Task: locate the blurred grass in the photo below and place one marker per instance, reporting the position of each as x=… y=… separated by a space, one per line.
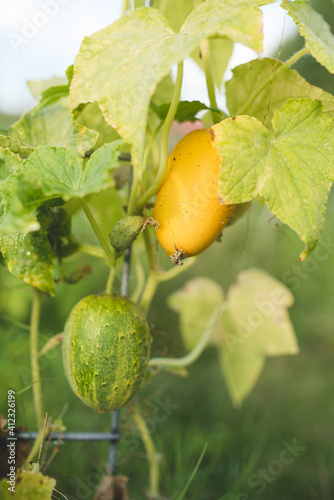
x=292 y=400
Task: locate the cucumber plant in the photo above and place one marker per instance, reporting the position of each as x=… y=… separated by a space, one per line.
x=103 y=135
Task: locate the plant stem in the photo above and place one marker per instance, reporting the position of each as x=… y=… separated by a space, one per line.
x=133 y=194
x=164 y=140
x=154 y=278
x=111 y=279
x=92 y=250
x=193 y=355
x=125 y=5
x=51 y=344
x=151 y=454
x=150 y=144
x=108 y=250
x=35 y=447
x=35 y=374
x=149 y=291
x=243 y=110
x=205 y=52
x=140 y=275
x=149 y=249
x=177 y=270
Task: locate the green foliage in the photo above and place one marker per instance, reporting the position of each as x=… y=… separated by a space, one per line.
x=53 y=125
x=58 y=172
x=125 y=102
x=317 y=33
x=186 y=110
x=292 y=171
x=14 y=146
x=9 y=162
x=284 y=85
x=220 y=51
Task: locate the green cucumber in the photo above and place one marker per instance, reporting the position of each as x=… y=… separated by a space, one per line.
x=106 y=349
x=125 y=231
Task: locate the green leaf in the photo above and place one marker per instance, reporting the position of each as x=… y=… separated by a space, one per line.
x=29 y=484
x=102 y=163
x=220 y=53
x=91 y=117
x=317 y=33
x=37 y=87
x=293 y=171
x=195 y=303
x=186 y=110
x=163 y=93
x=9 y=162
x=52 y=94
x=14 y=146
x=53 y=125
x=58 y=172
x=108 y=69
x=29 y=258
x=255 y=324
x=247 y=78
x=176 y=11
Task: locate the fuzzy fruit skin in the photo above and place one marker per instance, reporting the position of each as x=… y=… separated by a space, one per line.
x=125 y=231
x=106 y=349
x=187 y=208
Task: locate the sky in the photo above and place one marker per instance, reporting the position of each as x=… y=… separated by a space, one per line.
x=39 y=39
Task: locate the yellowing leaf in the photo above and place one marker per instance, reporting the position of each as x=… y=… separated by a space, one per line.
x=196 y=303
x=121 y=65
x=29 y=485
x=29 y=258
x=249 y=325
x=255 y=324
x=293 y=171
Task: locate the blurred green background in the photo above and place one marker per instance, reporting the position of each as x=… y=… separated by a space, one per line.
x=292 y=402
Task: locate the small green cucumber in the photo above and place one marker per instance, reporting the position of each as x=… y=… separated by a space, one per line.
x=106 y=349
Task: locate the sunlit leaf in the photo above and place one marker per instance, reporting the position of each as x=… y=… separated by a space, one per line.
x=255 y=324
x=220 y=50
x=120 y=66
x=53 y=125
x=186 y=110
x=195 y=303
x=317 y=33
x=247 y=78
x=293 y=171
